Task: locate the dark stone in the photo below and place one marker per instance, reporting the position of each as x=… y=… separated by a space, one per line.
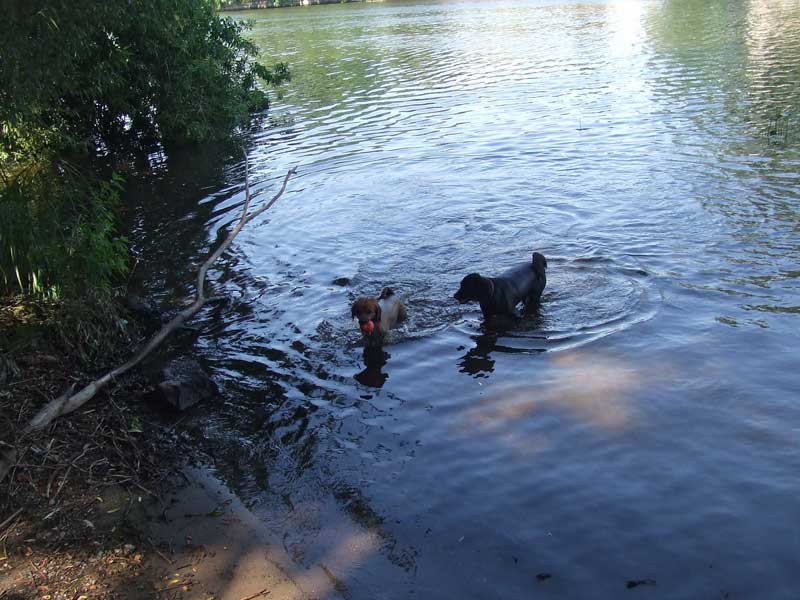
x=185 y=383
x=341 y=281
x=139 y=305
x=632 y=583
x=144 y=311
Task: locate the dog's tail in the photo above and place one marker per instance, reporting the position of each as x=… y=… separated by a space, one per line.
x=386 y=292
x=539 y=263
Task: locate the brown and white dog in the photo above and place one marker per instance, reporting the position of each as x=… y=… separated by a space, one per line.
x=376 y=316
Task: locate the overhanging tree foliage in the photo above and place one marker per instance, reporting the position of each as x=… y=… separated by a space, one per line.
x=89 y=76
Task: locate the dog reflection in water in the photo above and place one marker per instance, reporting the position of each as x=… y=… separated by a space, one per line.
x=478 y=361
x=374 y=360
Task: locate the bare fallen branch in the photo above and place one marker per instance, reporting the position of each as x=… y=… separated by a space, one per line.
x=68 y=402
x=9 y=520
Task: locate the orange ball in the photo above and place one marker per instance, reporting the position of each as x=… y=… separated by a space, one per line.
x=368 y=327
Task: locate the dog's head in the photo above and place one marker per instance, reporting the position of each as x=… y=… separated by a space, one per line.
x=539 y=263
x=473 y=288
x=366 y=310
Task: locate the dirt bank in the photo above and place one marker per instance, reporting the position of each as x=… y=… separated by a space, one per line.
x=114 y=500
x=196 y=541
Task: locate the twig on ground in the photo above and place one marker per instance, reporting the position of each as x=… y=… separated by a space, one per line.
x=172 y=587
x=263 y=592
x=161 y=554
x=61 y=486
x=9 y=520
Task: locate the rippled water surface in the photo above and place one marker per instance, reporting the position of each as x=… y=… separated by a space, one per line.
x=643 y=427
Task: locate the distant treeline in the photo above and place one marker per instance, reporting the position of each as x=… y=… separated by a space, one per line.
x=240 y=5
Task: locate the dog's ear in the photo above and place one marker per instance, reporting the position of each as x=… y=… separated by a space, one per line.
x=471 y=282
x=353 y=310
x=377 y=312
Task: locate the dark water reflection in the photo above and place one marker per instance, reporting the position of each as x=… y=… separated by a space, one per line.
x=643 y=425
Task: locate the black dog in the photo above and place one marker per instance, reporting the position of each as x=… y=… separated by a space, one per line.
x=500 y=295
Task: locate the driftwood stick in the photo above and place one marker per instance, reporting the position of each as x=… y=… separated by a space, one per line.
x=69 y=402
x=252 y=216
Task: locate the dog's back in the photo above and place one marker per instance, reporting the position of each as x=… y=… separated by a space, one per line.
x=392 y=309
x=525 y=282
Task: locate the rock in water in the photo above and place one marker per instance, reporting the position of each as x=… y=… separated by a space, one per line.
x=186 y=383
x=143 y=310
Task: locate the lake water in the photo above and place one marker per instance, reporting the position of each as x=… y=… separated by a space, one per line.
x=641 y=434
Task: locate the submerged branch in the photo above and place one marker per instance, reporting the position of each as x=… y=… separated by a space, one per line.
x=69 y=402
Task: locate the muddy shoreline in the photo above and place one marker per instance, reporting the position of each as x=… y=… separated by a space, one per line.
x=195 y=541
x=116 y=500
